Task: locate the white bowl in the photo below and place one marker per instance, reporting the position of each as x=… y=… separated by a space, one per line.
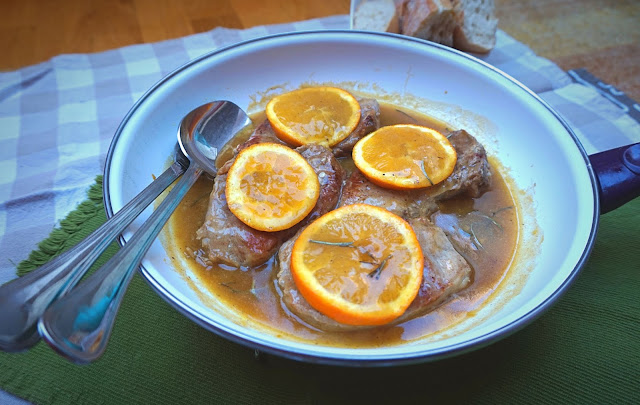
x=556 y=187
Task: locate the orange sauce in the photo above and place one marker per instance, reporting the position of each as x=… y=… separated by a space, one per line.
x=254 y=292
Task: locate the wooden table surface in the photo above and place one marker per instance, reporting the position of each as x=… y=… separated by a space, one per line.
x=601 y=36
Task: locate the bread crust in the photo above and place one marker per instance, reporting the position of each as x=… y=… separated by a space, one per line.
x=433 y=20
x=476 y=25
x=467 y=25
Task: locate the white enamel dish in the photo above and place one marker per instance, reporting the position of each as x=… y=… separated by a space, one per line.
x=557 y=186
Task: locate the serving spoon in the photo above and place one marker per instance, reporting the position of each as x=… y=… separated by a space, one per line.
x=24 y=300
x=79 y=324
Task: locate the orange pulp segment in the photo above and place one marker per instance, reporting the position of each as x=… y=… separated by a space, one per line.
x=271 y=187
x=405 y=157
x=358 y=264
x=322 y=115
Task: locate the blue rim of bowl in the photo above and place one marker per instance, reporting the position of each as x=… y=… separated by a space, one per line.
x=380 y=360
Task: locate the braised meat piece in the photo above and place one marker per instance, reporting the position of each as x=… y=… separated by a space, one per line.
x=263 y=133
x=472 y=173
x=445 y=273
x=331 y=175
x=471 y=176
x=226 y=239
x=405 y=203
x=369 y=122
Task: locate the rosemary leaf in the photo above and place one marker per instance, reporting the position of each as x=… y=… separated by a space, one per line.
x=477 y=241
x=376 y=273
x=407 y=115
x=233 y=290
x=501 y=209
x=200 y=198
x=341 y=244
x=424 y=171
x=493 y=221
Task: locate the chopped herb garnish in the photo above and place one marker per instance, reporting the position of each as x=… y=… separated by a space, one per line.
x=376 y=273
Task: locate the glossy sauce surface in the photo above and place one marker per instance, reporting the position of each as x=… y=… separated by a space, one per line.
x=489 y=223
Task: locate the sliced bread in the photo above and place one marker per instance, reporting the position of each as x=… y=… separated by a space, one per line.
x=433 y=20
x=476 y=25
x=376 y=15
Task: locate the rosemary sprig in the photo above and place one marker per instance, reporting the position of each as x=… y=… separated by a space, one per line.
x=341 y=244
x=477 y=241
x=424 y=171
x=501 y=209
x=407 y=115
x=233 y=290
x=366 y=252
x=200 y=198
x=253 y=290
x=493 y=221
x=376 y=273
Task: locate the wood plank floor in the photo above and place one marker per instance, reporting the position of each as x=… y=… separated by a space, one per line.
x=602 y=36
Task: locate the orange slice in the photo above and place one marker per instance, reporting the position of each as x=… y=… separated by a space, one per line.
x=322 y=115
x=358 y=264
x=405 y=157
x=271 y=187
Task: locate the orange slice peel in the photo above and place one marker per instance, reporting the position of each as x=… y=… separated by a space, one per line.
x=358 y=264
x=322 y=115
x=271 y=187
x=405 y=156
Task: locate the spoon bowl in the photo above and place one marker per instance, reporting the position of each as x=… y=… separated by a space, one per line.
x=79 y=324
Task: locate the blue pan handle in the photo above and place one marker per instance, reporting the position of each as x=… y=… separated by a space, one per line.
x=618 y=172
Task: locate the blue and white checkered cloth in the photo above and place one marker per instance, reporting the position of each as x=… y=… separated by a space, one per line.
x=57 y=119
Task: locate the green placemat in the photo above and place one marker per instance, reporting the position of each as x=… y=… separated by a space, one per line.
x=586 y=349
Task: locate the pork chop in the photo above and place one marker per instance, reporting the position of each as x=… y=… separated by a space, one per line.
x=471 y=176
x=445 y=272
x=225 y=239
x=369 y=122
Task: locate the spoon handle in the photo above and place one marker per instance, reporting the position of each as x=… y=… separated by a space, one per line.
x=25 y=299
x=79 y=324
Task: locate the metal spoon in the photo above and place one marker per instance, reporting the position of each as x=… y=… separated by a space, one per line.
x=79 y=324
x=24 y=300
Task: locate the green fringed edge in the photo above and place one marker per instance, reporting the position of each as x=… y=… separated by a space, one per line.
x=63 y=236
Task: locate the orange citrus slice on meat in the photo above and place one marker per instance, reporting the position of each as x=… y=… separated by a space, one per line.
x=405 y=157
x=322 y=115
x=358 y=264
x=271 y=187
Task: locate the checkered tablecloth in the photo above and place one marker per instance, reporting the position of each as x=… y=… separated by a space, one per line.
x=57 y=119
